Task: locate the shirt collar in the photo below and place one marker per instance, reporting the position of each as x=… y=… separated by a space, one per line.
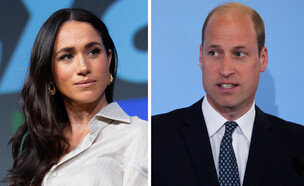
x=112 y=113
x=246 y=121
x=214 y=120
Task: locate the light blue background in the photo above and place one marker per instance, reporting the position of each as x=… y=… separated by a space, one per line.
x=176 y=37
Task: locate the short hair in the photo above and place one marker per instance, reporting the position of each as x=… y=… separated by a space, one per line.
x=254 y=16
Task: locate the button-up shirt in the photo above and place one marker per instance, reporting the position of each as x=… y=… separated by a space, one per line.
x=114 y=153
x=241 y=136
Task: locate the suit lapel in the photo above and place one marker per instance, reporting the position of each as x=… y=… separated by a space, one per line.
x=198 y=144
x=261 y=146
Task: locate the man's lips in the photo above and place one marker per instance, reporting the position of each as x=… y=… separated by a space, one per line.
x=227 y=85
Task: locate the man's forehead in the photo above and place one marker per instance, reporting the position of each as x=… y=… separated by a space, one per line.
x=232 y=15
x=233 y=8
x=230 y=24
x=230 y=30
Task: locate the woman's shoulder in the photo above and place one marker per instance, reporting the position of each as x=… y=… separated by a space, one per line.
x=137 y=129
x=139 y=123
x=119 y=117
x=137 y=153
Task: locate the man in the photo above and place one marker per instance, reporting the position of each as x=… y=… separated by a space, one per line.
x=225 y=139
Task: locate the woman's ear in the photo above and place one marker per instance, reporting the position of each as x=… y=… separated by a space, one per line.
x=109 y=57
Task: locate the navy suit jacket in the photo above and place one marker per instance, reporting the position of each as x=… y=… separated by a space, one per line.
x=182 y=156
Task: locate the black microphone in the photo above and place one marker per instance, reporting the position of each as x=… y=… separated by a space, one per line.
x=298 y=164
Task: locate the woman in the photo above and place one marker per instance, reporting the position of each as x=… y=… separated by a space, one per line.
x=73 y=133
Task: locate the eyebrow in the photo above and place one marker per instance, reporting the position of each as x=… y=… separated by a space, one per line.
x=239 y=47
x=69 y=49
x=213 y=46
x=91 y=44
x=234 y=48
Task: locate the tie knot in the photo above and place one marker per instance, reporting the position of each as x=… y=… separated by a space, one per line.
x=230 y=126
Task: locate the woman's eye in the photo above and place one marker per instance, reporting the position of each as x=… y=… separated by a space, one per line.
x=213 y=53
x=94 y=52
x=66 y=57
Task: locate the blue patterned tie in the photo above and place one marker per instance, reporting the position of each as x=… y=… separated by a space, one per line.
x=228 y=169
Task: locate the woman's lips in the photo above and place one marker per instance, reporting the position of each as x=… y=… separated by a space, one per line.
x=85 y=83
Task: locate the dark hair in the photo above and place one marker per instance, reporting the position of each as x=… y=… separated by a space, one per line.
x=39 y=142
x=254 y=16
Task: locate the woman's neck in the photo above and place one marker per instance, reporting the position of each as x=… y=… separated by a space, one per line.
x=82 y=113
x=79 y=115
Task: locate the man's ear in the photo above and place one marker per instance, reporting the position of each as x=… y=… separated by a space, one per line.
x=264 y=59
x=201 y=57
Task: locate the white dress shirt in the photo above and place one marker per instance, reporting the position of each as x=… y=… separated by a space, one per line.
x=241 y=136
x=114 y=153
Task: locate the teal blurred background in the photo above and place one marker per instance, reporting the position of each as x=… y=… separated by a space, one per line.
x=20 y=22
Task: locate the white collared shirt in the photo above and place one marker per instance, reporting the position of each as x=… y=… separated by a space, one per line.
x=114 y=153
x=241 y=136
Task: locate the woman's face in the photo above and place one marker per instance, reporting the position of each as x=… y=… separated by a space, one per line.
x=80 y=64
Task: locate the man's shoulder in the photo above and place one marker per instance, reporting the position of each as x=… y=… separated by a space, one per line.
x=164 y=123
x=289 y=129
x=177 y=115
x=286 y=128
x=283 y=123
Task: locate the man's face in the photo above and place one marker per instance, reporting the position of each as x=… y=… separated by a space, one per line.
x=231 y=65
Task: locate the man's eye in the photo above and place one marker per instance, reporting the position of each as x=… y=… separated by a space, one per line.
x=94 y=52
x=239 y=54
x=213 y=53
x=66 y=57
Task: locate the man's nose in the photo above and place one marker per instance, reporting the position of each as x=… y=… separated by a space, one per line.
x=227 y=66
